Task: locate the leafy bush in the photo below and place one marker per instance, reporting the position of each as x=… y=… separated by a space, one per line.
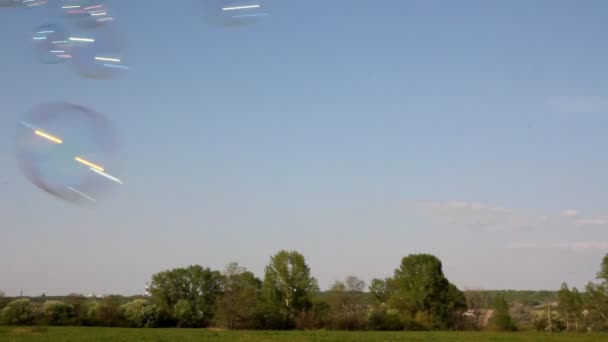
x=382 y=319
x=185 y=314
x=55 y=312
x=19 y=312
x=140 y=313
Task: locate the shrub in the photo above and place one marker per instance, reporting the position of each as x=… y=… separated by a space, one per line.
x=19 y=312
x=140 y=313
x=55 y=312
x=382 y=319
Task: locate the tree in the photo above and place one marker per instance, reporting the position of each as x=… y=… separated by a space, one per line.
x=501 y=319
x=419 y=289
x=379 y=290
x=567 y=305
x=186 y=314
x=141 y=313
x=596 y=299
x=196 y=285
x=603 y=273
x=577 y=308
x=238 y=306
x=19 y=312
x=109 y=312
x=287 y=287
x=56 y=312
x=347 y=307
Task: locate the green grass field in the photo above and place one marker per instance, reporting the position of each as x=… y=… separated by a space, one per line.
x=158 y=335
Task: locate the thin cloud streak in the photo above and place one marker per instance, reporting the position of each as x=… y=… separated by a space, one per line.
x=573 y=246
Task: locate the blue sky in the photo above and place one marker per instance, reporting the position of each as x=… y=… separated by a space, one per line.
x=352 y=131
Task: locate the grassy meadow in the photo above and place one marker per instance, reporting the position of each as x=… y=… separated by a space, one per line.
x=85 y=334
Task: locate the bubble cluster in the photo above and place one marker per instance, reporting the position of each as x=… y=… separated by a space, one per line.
x=79 y=32
x=69 y=151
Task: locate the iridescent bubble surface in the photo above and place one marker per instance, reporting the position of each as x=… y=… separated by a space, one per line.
x=52 y=44
x=69 y=151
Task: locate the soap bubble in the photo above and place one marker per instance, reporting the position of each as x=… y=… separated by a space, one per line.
x=86 y=13
x=234 y=12
x=33 y=3
x=68 y=151
x=52 y=44
x=22 y=3
x=98 y=54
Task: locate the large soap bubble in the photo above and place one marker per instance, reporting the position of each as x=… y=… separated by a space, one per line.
x=52 y=44
x=234 y=12
x=68 y=151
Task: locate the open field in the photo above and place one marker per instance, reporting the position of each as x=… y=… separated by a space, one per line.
x=126 y=334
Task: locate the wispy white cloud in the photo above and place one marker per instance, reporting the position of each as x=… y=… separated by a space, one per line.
x=485 y=216
x=580 y=104
x=570 y=213
x=476 y=215
x=573 y=246
x=592 y=222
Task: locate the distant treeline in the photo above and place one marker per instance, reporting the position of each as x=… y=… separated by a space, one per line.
x=417 y=297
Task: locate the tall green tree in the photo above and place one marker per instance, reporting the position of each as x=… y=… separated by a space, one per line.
x=596 y=299
x=196 y=285
x=420 y=289
x=287 y=287
x=577 y=307
x=239 y=305
x=565 y=304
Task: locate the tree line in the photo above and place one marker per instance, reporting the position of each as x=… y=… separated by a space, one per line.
x=417 y=296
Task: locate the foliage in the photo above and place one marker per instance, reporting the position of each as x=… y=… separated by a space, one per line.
x=287 y=288
x=196 y=285
x=348 y=310
x=419 y=285
x=239 y=304
x=56 y=312
x=141 y=313
x=109 y=312
x=501 y=319
x=378 y=288
x=381 y=318
x=19 y=312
